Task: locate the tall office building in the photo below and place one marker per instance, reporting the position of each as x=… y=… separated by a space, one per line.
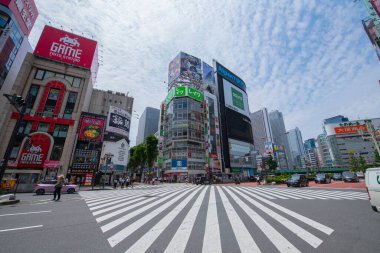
x=148 y=124
x=279 y=137
x=324 y=156
x=297 y=150
x=261 y=129
x=311 y=154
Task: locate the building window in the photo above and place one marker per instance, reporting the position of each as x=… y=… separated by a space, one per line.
x=25 y=127
x=31 y=98
x=56 y=152
x=39 y=74
x=72 y=98
x=60 y=131
x=43 y=127
x=76 y=82
x=51 y=101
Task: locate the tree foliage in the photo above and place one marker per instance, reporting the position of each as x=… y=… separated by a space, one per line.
x=272 y=164
x=358 y=164
x=377 y=157
x=151 y=143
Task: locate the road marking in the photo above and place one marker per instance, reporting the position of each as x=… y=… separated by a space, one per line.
x=298 y=216
x=124 y=233
x=243 y=237
x=279 y=241
x=211 y=239
x=300 y=232
x=179 y=240
x=11 y=214
x=148 y=238
x=13 y=229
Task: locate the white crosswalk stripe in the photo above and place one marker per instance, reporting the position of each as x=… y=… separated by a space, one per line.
x=175 y=218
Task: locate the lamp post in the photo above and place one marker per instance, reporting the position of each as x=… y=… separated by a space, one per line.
x=19 y=104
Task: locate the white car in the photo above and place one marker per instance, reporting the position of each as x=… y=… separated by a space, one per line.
x=372 y=181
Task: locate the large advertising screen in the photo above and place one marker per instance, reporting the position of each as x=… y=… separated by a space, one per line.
x=174 y=68
x=191 y=67
x=208 y=74
x=118 y=121
x=91 y=127
x=66 y=47
x=238 y=126
x=235 y=98
x=25 y=12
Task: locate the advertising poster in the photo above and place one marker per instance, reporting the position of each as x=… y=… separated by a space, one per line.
x=191 y=67
x=235 y=98
x=118 y=121
x=174 y=68
x=88 y=179
x=179 y=164
x=91 y=127
x=208 y=74
x=35 y=150
x=66 y=47
x=25 y=12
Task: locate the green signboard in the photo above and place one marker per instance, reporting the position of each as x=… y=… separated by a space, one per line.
x=195 y=94
x=184 y=91
x=237 y=98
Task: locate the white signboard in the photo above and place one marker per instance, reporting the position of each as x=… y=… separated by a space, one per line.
x=118 y=121
x=235 y=98
x=119 y=151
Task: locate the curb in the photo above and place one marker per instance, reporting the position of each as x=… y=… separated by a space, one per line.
x=9 y=202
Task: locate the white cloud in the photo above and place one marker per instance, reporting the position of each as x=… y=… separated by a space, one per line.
x=309 y=60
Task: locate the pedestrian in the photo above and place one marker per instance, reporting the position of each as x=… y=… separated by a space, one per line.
x=126 y=182
x=132 y=181
x=115 y=182
x=58 y=187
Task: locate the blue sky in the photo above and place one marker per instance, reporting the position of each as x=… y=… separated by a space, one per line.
x=308 y=59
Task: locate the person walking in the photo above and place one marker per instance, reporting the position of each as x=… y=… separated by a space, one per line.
x=58 y=187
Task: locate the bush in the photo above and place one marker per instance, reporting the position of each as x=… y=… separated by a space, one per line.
x=277 y=179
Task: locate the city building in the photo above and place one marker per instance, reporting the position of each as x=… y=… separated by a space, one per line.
x=311 y=154
x=182 y=123
x=352 y=139
x=57 y=84
x=148 y=124
x=324 y=157
x=335 y=119
x=261 y=130
x=296 y=147
x=277 y=123
x=16 y=21
x=237 y=144
x=101 y=101
x=371 y=24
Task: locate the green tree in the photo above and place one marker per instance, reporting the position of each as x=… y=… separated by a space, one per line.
x=354 y=164
x=140 y=156
x=272 y=164
x=151 y=143
x=132 y=163
x=362 y=164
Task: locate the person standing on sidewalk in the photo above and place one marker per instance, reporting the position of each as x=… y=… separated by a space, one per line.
x=58 y=187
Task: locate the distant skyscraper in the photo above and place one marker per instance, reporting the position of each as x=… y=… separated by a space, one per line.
x=279 y=135
x=310 y=144
x=335 y=119
x=324 y=156
x=148 y=124
x=296 y=147
x=261 y=128
x=311 y=155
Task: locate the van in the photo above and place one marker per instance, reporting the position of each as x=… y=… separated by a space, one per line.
x=372 y=181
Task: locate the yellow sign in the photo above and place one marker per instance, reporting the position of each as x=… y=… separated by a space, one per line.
x=8 y=184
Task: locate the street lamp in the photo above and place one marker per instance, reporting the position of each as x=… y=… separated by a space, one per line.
x=19 y=104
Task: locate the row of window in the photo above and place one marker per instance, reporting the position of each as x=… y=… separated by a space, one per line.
x=60 y=131
x=51 y=101
x=42 y=74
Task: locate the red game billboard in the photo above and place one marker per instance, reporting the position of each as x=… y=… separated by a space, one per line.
x=66 y=47
x=35 y=150
x=25 y=12
x=91 y=127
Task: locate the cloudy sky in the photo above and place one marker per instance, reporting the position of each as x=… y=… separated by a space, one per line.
x=308 y=59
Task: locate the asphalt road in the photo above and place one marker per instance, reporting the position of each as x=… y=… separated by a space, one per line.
x=180 y=218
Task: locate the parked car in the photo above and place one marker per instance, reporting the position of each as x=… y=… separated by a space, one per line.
x=349 y=176
x=360 y=174
x=256 y=178
x=322 y=178
x=372 y=182
x=48 y=187
x=337 y=177
x=297 y=180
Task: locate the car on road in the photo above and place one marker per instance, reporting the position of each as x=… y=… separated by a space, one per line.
x=48 y=187
x=322 y=178
x=360 y=174
x=337 y=177
x=298 y=180
x=372 y=182
x=202 y=180
x=349 y=176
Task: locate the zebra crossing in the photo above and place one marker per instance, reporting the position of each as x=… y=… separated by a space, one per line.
x=190 y=218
